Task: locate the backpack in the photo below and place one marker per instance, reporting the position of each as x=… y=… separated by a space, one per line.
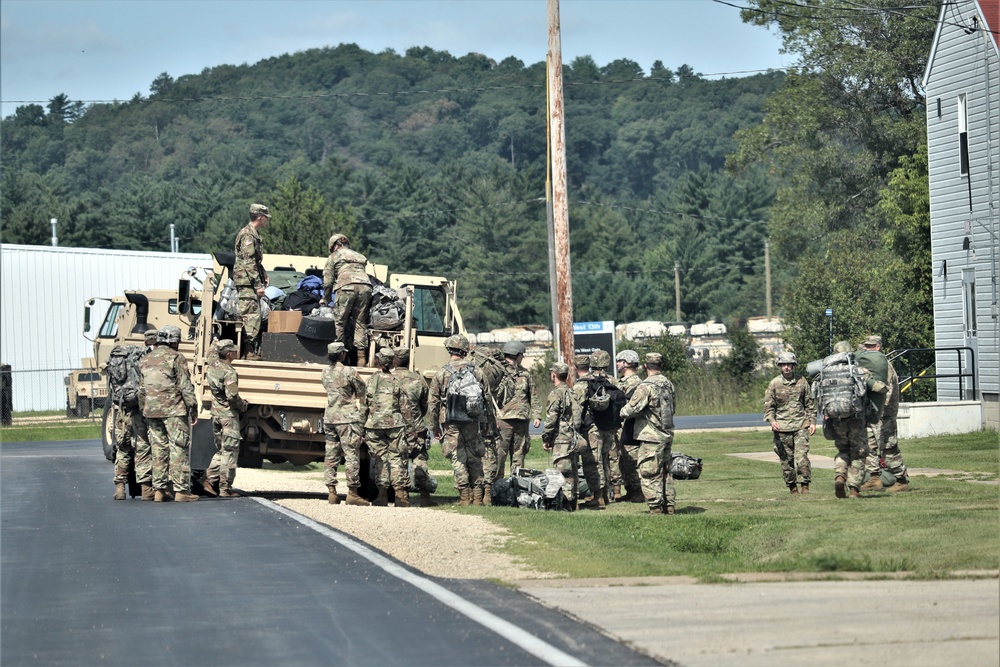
x=841 y=388
x=604 y=404
x=124 y=377
x=464 y=398
x=529 y=489
x=498 y=380
x=683 y=466
x=387 y=312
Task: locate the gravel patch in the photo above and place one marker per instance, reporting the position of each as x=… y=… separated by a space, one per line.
x=438 y=542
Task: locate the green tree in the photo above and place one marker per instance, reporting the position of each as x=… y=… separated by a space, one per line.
x=302 y=221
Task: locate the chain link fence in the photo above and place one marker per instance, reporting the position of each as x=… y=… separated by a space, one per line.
x=27 y=395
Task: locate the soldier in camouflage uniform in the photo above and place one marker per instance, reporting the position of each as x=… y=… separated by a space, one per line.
x=346 y=276
x=461 y=442
x=168 y=403
x=384 y=430
x=227 y=406
x=342 y=424
x=882 y=442
x=600 y=441
x=563 y=420
x=132 y=442
x=414 y=409
x=627 y=362
x=513 y=416
x=250 y=277
x=652 y=405
x=789 y=409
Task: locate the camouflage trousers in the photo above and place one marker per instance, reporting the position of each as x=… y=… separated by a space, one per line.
x=792 y=447
x=350 y=315
x=654 y=474
x=389 y=456
x=227 y=450
x=629 y=464
x=420 y=476
x=564 y=459
x=343 y=441
x=512 y=441
x=601 y=443
x=250 y=312
x=614 y=457
x=884 y=449
x=852 y=449
x=170 y=439
x=132 y=444
x=463 y=444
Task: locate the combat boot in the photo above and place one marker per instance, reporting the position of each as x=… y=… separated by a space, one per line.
x=426 y=500
x=332 y=497
x=794 y=490
x=805 y=489
x=354 y=499
x=184 y=497
x=253 y=356
x=207 y=486
x=617 y=493
x=362 y=358
x=900 y=485
x=592 y=503
x=874 y=484
x=147 y=492
x=853 y=493
x=655 y=510
x=488 y=495
x=383 y=497
x=402 y=498
x=464 y=497
x=840 y=486
x=119 y=491
x=477 y=497
x=601 y=503
x=671 y=509
x=162 y=496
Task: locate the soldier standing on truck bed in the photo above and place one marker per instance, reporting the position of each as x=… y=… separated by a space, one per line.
x=132 y=441
x=169 y=405
x=342 y=424
x=227 y=406
x=250 y=277
x=345 y=275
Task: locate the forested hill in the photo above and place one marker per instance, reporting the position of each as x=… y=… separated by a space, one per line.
x=434 y=163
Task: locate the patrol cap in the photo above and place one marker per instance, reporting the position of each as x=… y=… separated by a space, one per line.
x=654 y=358
x=513 y=348
x=385 y=354
x=225 y=346
x=402 y=352
x=259 y=209
x=559 y=368
x=843 y=346
x=628 y=356
x=872 y=340
x=150 y=336
x=582 y=360
x=600 y=359
x=336 y=348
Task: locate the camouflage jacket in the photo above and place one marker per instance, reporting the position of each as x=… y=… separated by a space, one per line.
x=344 y=267
x=248 y=270
x=524 y=404
x=650 y=425
x=628 y=383
x=166 y=389
x=891 y=408
x=384 y=398
x=437 y=402
x=345 y=395
x=583 y=384
x=225 y=387
x=414 y=403
x=563 y=416
x=790 y=403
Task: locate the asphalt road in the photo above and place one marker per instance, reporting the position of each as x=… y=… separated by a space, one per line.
x=87 y=580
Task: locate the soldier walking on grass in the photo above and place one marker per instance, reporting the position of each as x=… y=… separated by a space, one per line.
x=884 y=454
x=789 y=409
x=342 y=423
x=227 y=406
x=250 y=277
x=513 y=416
x=384 y=430
x=169 y=405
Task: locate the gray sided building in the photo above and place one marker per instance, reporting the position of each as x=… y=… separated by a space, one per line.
x=962 y=84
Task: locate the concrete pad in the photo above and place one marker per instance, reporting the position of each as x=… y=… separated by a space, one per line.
x=821 y=623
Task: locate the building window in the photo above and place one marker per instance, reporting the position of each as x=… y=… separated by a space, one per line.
x=963 y=135
x=969 y=302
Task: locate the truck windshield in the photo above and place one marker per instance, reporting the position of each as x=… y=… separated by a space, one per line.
x=110 y=327
x=428 y=310
x=89 y=377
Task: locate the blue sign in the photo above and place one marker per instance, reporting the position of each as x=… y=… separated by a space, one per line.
x=593 y=327
x=829 y=312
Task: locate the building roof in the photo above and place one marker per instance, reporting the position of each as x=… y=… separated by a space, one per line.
x=987 y=10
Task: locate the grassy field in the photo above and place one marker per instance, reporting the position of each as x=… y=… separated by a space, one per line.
x=76 y=430
x=739 y=517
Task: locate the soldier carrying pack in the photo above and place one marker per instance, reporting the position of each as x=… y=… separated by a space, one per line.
x=840 y=388
x=123 y=374
x=464 y=396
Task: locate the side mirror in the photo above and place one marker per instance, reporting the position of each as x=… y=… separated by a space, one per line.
x=184 y=296
x=86 y=318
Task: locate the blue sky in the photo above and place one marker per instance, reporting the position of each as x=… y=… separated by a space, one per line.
x=112 y=49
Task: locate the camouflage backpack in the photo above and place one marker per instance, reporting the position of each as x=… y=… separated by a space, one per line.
x=840 y=389
x=498 y=380
x=464 y=398
x=124 y=377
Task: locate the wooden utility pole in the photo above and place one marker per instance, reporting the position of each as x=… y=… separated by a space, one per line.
x=553 y=290
x=560 y=204
x=677 y=292
x=767 y=275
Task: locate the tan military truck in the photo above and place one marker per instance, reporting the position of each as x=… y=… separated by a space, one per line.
x=86 y=389
x=284 y=389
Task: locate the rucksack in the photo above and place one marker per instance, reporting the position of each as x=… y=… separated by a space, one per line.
x=124 y=377
x=683 y=466
x=464 y=398
x=498 y=380
x=387 y=312
x=841 y=389
x=530 y=489
x=604 y=404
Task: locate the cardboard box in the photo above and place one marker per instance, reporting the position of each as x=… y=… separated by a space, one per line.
x=284 y=321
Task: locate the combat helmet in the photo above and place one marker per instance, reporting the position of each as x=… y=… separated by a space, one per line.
x=457 y=342
x=336 y=238
x=630 y=357
x=513 y=348
x=168 y=334
x=600 y=359
x=786 y=358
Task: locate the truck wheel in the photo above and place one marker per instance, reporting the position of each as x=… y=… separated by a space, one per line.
x=82 y=407
x=249 y=459
x=69 y=410
x=108 y=431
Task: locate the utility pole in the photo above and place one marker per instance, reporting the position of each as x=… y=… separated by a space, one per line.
x=560 y=204
x=767 y=275
x=677 y=292
x=553 y=290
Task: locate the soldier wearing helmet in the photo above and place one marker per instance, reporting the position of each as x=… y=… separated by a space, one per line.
x=627 y=362
x=343 y=424
x=414 y=409
x=591 y=373
x=461 y=435
x=132 y=438
x=514 y=415
x=170 y=408
x=250 y=277
x=883 y=444
x=789 y=409
x=385 y=430
x=346 y=283
x=227 y=406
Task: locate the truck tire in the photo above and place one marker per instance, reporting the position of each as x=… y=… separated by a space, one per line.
x=108 y=430
x=82 y=407
x=69 y=410
x=247 y=458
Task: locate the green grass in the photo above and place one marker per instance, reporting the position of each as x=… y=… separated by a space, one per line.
x=61 y=431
